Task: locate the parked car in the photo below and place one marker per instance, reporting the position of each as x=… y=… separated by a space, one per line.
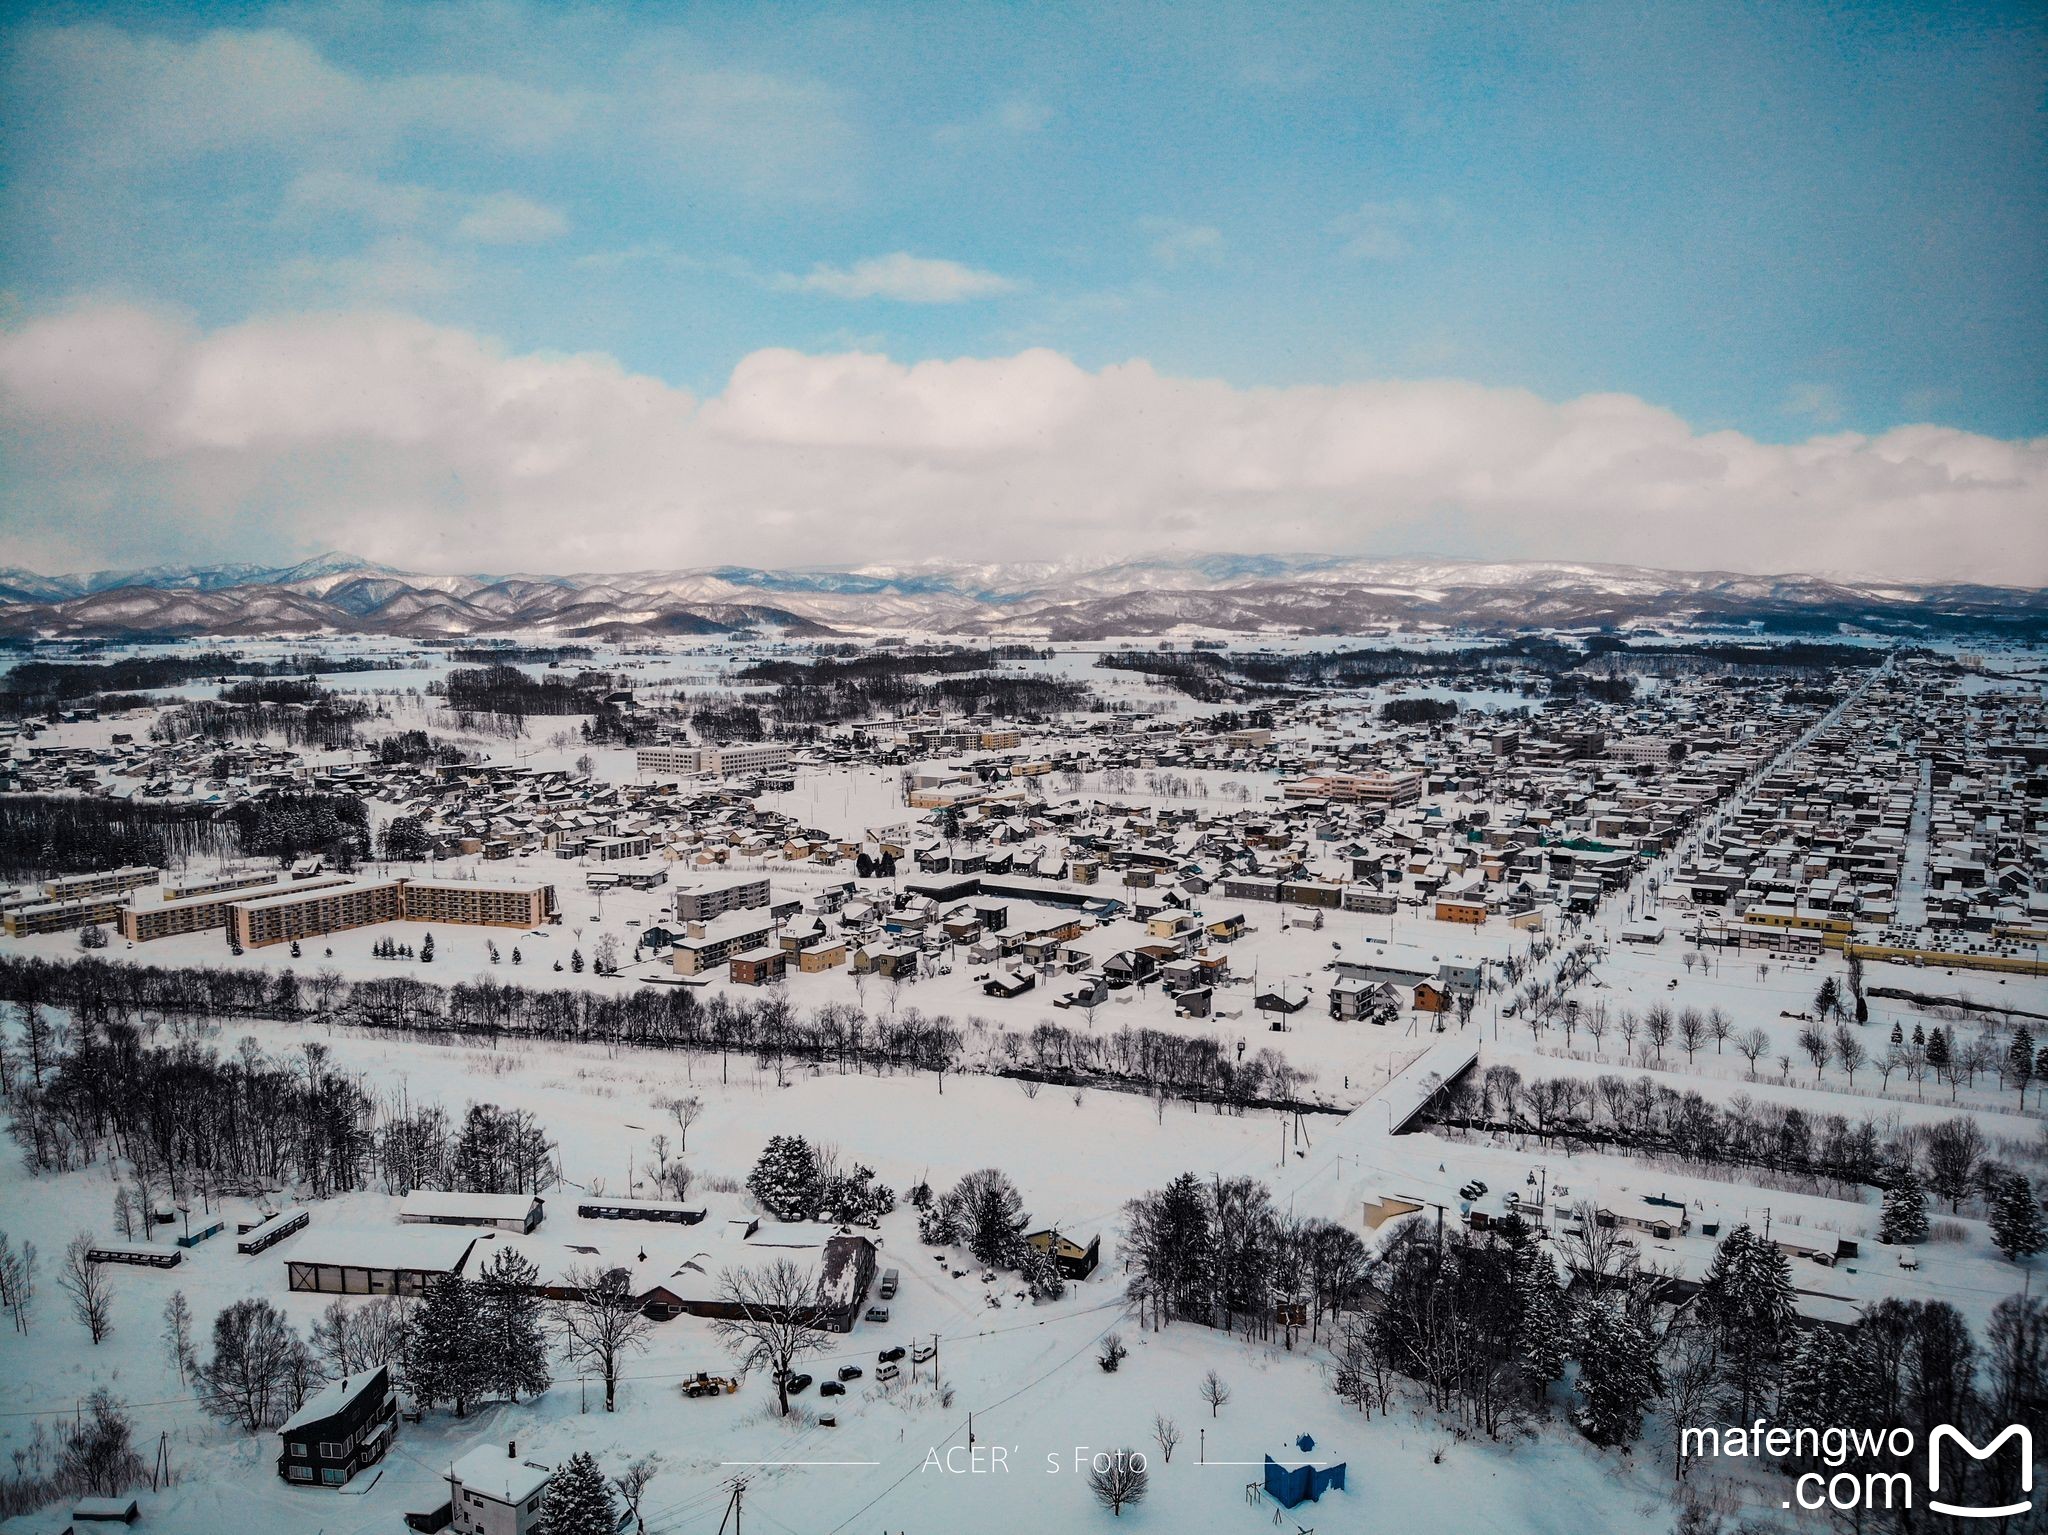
x=831 y=1388
x=851 y=1372
x=922 y=1352
x=877 y=1313
x=796 y=1383
x=886 y=1373
x=889 y=1279
x=890 y=1355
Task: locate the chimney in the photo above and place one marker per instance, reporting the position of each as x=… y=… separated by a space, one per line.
x=511 y=1449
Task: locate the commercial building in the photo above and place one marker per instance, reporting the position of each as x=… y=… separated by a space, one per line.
x=1359 y=788
x=719 y=761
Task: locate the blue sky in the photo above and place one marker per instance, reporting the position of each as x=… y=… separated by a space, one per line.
x=1780 y=220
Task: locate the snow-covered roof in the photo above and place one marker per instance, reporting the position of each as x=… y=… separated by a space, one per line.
x=446 y=1205
x=335 y=1396
x=499 y=1474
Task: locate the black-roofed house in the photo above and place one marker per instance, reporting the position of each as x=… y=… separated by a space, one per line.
x=344 y=1426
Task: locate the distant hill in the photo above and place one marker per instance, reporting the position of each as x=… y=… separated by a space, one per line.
x=338 y=593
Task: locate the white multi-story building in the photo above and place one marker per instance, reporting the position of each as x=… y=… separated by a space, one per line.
x=496 y=1493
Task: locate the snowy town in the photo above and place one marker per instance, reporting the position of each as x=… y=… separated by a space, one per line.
x=1487 y=1062
x=984 y=769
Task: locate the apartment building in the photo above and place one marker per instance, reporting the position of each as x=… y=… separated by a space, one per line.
x=76 y=887
x=710 y=945
x=720 y=761
x=366 y=903
x=297 y=914
x=58 y=916
x=702 y=902
x=431 y=900
x=199 y=913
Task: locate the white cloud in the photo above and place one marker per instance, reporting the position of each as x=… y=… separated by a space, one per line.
x=506 y=218
x=118 y=100
x=1388 y=231
x=389 y=205
x=1175 y=242
x=1819 y=403
x=432 y=447
x=905 y=278
x=395 y=268
x=1014 y=117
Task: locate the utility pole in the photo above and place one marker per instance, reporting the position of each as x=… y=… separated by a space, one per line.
x=732 y=1507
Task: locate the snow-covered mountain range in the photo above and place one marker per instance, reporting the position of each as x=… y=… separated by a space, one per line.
x=339 y=593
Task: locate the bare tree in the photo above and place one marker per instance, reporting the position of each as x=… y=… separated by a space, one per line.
x=1849 y=1050
x=1692 y=1384
x=1215 y=1391
x=632 y=1483
x=1166 y=1434
x=351 y=1340
x=601 y=1323
x=177 y=1334
x=1692 y=1032
x=17 y=1281
x=1753 y=1047
x=1119 y=1478
x=1816 y=1047
x=1593 y=1250
x=777 y=1320
x=257 y=1364
x=91 y=1291
x=686 y=1112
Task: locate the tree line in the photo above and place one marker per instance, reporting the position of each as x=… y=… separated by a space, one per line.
x=766 y=1029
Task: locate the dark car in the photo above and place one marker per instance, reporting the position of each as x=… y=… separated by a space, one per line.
x=831 y=1388
x=890 y=1355
x=850 y=1372
x=796 y=1383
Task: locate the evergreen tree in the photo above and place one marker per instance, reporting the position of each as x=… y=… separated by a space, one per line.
x=936 y=1226
x=578 y=1500
x=991 y=1216
x=511 y=1326
x=1905 y=1208
x=2019 y=1061
x=1898 y=1034
x=1542 y=1335
x=2016 y=1224
x=1938 y=1055
x=445 y=1362
x=1747 y=1294
x=1618 y=1374
x=1042 y=1274
x=1826 y=1382
x=785 y=1180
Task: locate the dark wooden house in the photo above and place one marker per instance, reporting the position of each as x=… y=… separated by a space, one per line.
x=344 y=1426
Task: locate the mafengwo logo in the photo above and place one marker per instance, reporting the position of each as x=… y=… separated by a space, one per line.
x=1944 y=1433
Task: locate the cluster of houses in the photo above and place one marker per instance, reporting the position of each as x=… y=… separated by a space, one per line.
x=1911 y=828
